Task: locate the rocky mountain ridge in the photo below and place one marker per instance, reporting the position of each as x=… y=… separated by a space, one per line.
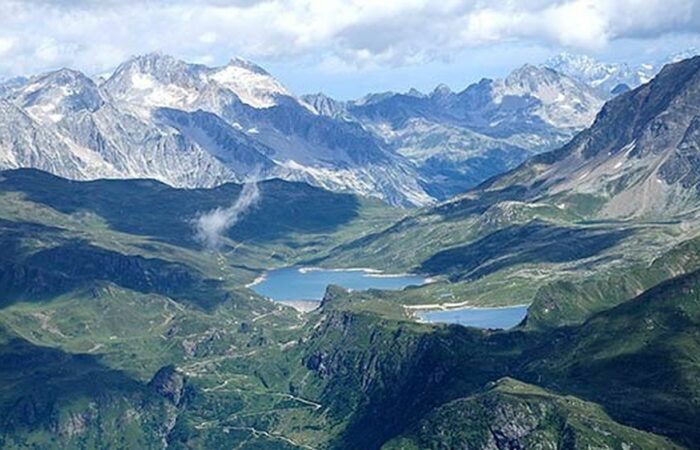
x=457 y=140
x=639 y=158
x=191 y=125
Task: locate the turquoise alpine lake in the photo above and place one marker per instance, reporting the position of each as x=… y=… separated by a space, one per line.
x=501 y=318
x=299 y=283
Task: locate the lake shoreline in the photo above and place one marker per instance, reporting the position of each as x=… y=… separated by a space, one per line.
x=428 y=307
x=259 y=279
x=497 y=317
x=296 y=283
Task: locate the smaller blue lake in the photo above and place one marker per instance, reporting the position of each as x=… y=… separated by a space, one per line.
x=294 y=283
x=503 y=318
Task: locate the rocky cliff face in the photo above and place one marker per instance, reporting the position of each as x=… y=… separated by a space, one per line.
x=193 y=126
x=170 y=384
x=457 y=140
x=196 y=126
x=638 y=159
x=513 y=415
x=394 y=385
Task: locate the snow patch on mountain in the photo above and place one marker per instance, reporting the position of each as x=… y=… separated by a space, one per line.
x=565 y=102
x=606 y=76
x=190 y=125
x=253 y=85
x=157 y=80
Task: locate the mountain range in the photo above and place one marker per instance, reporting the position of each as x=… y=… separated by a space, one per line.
x=648 y=168
x=195 y=126
x=610 y=79
x=191 y=125
x=118 y=330
x=457 y=140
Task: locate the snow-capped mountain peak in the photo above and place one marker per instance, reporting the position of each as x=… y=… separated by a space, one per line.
x=158 y=80
x=252 y=84
x=600 y=75
x=48 y=97
x=564 y=101
x=583 y=67
x=685 y=54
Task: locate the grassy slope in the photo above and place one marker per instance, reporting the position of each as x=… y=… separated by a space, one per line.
x=291 y=221
x=511 y=413
x=483 y=253
x=638 y=361
x=108 y=272
x=52 y=399
x=260 y=375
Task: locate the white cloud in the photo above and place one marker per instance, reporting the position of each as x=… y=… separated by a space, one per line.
x=94 y=35
x=6 y=44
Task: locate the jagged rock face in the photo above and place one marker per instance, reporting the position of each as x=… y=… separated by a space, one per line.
x=192 y=126
x=234 y=148
x=457 y=140
x=51 y=97
x=169 y=383
x=325 y=105
x=25 y=142
x=135 y=148
x=683 y=165
x=639 y=158
x=309 y=139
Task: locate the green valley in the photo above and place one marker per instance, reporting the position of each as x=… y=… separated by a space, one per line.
x=120 y=329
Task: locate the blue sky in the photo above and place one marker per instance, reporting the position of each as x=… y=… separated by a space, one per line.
x=345 y=48
x=467 y=66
